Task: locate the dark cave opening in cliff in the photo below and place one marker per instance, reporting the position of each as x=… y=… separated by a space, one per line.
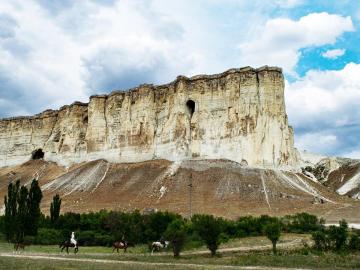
x=37 y=154
x=190 y=104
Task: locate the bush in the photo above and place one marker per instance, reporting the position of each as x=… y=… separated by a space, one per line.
x=48 y=237
x=354 y=242
x=320 y=240
x=93 y=238
x=331 y=238
x=302 y=223
x=338 y=235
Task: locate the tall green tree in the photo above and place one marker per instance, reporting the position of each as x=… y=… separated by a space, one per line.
x=10 y=217
x=33 y=204
x=22 y=215
x=55 y=209
x=209 y=229
x=273 y=230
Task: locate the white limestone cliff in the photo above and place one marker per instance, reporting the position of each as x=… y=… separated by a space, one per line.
x=238 y=115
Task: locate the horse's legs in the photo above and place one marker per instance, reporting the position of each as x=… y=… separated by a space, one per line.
x=125 y=249
x=67 y=250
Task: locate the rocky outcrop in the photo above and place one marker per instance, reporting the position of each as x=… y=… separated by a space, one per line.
x=237 y=115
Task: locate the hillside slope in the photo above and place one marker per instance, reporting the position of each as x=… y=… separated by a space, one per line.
x=220 y=187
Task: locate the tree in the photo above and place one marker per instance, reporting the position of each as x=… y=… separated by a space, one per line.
x=272 y=231
x=176 y=234
x=33 y=204
x=209 y=229
x=22 y=211
x=338 y=235
x=354 y=242
x=55 y=209
x=320 y=240
x=22 y=215
x=10 y=202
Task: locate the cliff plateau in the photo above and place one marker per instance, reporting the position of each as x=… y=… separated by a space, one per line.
x=237 y=115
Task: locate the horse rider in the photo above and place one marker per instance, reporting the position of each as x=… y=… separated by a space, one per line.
x=73 y=240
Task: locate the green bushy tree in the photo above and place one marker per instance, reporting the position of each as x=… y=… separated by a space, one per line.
x=209 y=229
x=176 y=234
x=354 y=241
x=320 y=240
x=338 y=235
x=272 y=230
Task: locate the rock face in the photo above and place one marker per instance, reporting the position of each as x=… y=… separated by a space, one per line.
x=237 y=115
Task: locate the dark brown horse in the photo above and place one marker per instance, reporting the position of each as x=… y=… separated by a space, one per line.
x=18 y=246
x=120 y=245
x=66 y=244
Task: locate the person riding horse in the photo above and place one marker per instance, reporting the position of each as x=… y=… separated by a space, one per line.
x=72 y=239
x=70 y=243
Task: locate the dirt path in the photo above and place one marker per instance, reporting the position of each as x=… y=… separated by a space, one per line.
x=294 y=243
x=188 y=265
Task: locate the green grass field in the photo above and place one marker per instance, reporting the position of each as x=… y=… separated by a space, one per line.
x=49 y=257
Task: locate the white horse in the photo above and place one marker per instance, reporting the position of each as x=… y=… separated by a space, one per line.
x=158 y=245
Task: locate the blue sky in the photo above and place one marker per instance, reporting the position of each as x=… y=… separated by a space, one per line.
x=55 y=52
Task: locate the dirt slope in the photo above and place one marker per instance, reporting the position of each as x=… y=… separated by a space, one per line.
x=219 y=187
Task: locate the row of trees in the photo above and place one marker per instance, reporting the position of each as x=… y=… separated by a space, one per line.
x=23 y=218
x=22 y=211
x=336 y=238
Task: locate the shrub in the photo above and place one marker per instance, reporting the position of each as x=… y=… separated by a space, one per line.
x=48 y=237
x=354 y=242
x=320 y=240
x=302 y=223
x=338 y=235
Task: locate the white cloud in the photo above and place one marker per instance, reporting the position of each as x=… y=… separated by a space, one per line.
x=353 y=154
x=52 y=53
x=83 y=49
x=324 y=108
x=289 y=3
x=317 y=142
x=280 y=40
x=333 y=54
x=326 y=97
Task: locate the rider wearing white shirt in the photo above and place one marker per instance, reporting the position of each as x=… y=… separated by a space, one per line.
x=72 y=240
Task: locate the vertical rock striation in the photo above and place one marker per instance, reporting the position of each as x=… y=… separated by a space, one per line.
x=238 y=115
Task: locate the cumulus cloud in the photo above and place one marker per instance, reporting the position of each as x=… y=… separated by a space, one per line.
x=318 y=142
x=326 y=101
x=52 y=54
x=333 y=54
x=289 y=3
x=353 y=154
x=281 y=39
x=55 y=52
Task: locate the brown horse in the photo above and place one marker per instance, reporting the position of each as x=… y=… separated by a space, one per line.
x=18 y=246
x=120 y=245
